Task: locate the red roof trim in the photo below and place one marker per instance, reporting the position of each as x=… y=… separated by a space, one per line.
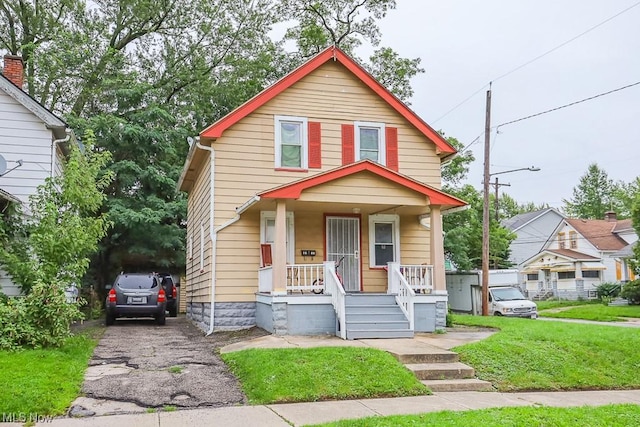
x=295 y=189
x=217 y=129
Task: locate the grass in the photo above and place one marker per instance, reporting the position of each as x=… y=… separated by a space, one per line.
x=548 y=304
x=537 y=355
x=600 y=416
x=323 y=373
x=176 y=369
x=598 y=312
x=45 y=381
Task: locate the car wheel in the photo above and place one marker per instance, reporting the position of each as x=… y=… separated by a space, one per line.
x=161 y=319
x=173 y=312
x=498 y=313
x=111 y=319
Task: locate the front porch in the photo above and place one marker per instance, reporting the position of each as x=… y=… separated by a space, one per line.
x=314 y=302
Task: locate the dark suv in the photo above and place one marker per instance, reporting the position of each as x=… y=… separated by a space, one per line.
x=136 y=295
x=171 y=291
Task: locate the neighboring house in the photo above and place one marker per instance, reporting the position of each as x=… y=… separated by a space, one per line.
x=582 y=255
x=533 y=231
x=324 y=166
x=33 y=142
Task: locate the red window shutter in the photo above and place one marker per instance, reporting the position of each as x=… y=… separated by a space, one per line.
x=315 y=150
x=348 y=144
x=391 y=140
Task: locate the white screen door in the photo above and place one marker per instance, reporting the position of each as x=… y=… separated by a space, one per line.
x=343 y=240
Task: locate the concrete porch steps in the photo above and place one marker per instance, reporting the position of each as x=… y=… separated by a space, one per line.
x=467 y=384
x=375 y=316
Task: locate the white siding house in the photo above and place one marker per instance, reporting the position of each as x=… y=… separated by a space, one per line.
x=32 y=142
x=533 y=231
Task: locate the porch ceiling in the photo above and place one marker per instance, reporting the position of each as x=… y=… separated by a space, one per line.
x=341 y=207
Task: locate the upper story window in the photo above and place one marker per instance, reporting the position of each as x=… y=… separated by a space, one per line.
x=573 y=240
x=370 y=142
x=561 y=242
x=291 y=139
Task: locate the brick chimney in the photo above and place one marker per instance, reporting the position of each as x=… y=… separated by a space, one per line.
x=14 y=69
x=610 y=216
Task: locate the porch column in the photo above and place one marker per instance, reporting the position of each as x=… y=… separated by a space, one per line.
x=437 y=250
x=280 y=250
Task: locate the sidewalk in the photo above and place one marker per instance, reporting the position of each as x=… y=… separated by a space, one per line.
x=299 y=414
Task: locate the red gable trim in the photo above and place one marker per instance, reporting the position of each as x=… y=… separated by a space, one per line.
x=295 y=189
x=217 y=129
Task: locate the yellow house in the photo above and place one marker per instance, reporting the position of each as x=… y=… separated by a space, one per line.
x=315 y=208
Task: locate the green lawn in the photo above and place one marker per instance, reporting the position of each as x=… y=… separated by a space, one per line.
x=601 y=416
x=324 y=373
x=45 y=381
x=545 y=305
x=538 y=355
x=599 y=312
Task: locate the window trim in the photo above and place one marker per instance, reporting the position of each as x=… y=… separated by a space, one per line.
x=561 y=240
x=291 y=233
x=190 y=248
x=395 y=233
x=304 y=151
x=573 y=240
x=382 y=148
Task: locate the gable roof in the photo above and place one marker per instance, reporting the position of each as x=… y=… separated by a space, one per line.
x=623 y=225
x=516 y=222
x=52 y=121
x=331 y=53
x=569 y=253
x=599 y=233
x=294 y=189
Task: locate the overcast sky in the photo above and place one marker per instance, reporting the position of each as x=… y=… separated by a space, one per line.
x=466 y=44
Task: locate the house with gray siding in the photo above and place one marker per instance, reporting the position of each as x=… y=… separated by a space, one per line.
x=534 y=230
x=33 y=143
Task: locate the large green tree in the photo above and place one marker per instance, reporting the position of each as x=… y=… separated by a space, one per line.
x=463 y=229
x=593 y=196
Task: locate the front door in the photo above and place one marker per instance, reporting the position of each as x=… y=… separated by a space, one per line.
x=343 y=243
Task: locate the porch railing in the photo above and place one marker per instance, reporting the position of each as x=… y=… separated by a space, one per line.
x=305 y=277
x=265 y=279
x=418 y=277
x=404 y=293
x=333 y=287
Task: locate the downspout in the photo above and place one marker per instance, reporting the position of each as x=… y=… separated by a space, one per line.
x=212 y=231
x=54 y=144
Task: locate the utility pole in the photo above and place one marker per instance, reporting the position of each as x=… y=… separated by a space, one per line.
x=496 y=185
x=485 y=209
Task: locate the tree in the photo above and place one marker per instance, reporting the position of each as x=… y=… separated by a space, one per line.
x=593 y=196
x=54 y=242
x=509 y=207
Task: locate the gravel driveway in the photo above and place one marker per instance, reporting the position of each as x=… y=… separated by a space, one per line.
x=139 y=362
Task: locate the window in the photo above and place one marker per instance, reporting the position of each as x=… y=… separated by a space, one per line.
x=370 y=142
x=532 y=276
x=566 y=275
x=561 y=243
x=591 y=274
x=573 y=240
x=268 y=231
x=291 y=136
x=384 y=240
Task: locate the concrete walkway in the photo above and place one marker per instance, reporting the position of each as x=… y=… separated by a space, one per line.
x=299 y=414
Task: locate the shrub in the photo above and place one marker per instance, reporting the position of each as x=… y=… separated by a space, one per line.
x=608 y=290
x=631 y=292
x=40 y=319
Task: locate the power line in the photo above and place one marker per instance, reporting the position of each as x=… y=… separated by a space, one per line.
x=568 y=105
x=533 y=60
x=566 y=42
